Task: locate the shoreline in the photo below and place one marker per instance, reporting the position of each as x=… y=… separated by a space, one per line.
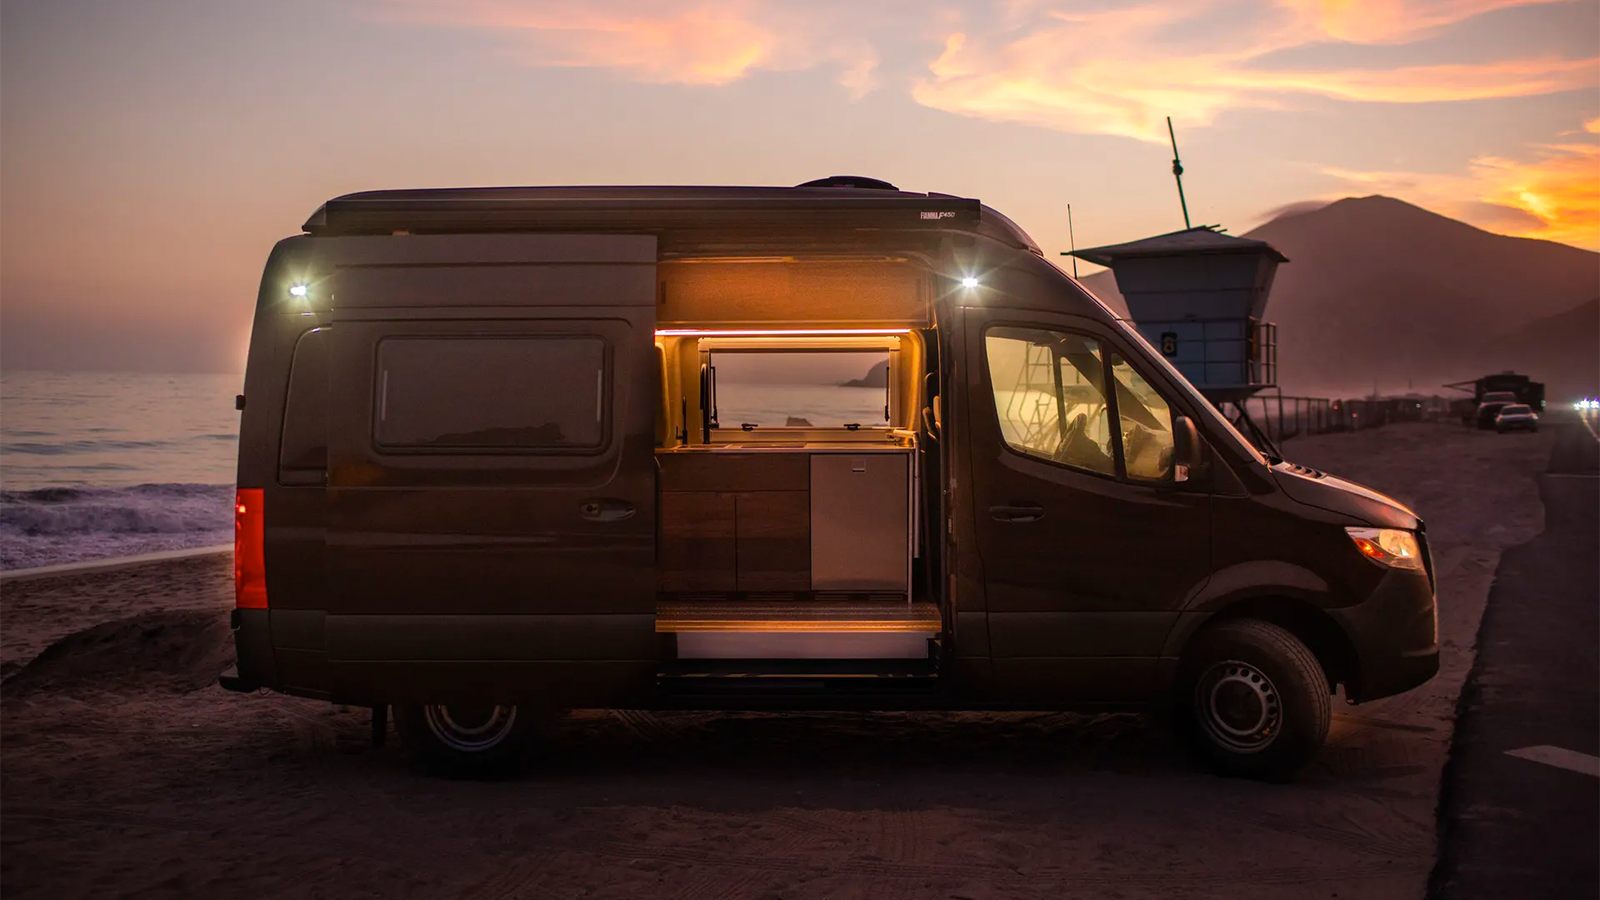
x=109 y=563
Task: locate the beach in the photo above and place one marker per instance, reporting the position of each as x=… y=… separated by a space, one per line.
x=127 y=772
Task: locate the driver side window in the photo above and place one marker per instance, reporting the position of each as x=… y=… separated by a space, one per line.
x=1049 y=392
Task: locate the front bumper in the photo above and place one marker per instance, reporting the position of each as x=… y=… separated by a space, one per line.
x=1395 y=633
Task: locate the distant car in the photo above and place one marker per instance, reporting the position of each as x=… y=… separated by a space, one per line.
x=1489 y=409
x=1514 y=417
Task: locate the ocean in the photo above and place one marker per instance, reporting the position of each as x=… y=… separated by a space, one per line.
x=97 y=465
x=100 y=465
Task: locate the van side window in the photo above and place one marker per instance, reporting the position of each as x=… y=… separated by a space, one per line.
x=1049 y=394
x=305 y=411
x=535 y=393
x=1145 y=422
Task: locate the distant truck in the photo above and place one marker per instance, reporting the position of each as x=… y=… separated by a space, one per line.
x=1502 y=388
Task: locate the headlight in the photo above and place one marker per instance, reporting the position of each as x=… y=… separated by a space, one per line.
x=1388 y=546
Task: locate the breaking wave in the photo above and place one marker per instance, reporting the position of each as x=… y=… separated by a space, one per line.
x=52 y=525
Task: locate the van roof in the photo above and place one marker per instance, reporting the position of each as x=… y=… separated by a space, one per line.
x=835 y=204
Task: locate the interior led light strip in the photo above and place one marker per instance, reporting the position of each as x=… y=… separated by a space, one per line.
x=805 y=332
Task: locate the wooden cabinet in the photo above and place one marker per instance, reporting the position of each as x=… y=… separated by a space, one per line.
x=721 y=541
x=773 y=540
x=771 y=521
x=697 y=541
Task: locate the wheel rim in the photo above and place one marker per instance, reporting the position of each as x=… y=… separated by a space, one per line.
x=470 y=729
x=1238 y=706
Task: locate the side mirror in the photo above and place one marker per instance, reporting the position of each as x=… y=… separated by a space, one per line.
x=1185 y=447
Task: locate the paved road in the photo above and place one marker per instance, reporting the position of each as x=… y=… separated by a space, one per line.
x=1511 y=826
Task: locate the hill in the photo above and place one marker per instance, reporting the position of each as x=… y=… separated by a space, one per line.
x=1564 y=349
x=1380 y=291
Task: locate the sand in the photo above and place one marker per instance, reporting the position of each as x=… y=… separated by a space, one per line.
x=127 y=773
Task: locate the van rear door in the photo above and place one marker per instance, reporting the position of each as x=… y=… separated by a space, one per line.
x=491 y=481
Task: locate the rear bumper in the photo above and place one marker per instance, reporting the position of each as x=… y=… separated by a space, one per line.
x=256 y=666
x=1395 y=633
x=230 y=680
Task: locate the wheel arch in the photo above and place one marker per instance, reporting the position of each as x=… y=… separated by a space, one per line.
x=1311 y=625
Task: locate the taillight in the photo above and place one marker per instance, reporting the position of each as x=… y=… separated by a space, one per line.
x=249 y=556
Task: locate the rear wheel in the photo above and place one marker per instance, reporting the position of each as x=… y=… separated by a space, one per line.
x=464 y=739
x=1254 y=699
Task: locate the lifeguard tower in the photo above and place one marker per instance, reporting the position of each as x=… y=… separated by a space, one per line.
x=1200 y=297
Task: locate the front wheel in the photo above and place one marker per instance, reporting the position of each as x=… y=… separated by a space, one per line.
x=470 y=740
x=1255 y=700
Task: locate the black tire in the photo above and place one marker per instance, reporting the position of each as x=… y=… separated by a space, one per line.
x=1253 y=699
x=465 y=741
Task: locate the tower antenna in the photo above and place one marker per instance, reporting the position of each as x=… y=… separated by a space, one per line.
x=1072 y=241
x=1177 y=173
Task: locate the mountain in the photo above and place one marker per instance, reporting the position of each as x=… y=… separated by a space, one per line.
x=876 y=377
x=1378 y=291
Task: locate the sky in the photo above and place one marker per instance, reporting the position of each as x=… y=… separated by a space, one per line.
x=151 y=152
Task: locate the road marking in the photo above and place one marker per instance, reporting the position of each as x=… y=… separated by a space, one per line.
x=1561 y=758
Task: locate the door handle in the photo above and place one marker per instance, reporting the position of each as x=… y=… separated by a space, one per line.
x=606 y=509
x=1017 y=512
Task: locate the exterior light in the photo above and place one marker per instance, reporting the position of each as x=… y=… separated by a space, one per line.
x=1388 y=546
x=298 y=290
x=969 y=282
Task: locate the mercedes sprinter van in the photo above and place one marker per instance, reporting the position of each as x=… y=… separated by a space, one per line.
x=508 y=452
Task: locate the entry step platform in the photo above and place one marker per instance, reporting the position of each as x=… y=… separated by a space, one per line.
x=801 y=612
x=738 y=670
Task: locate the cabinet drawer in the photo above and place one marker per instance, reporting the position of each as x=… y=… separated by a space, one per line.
x=757 y=471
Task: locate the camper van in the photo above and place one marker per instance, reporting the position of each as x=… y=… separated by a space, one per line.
x=509 y=452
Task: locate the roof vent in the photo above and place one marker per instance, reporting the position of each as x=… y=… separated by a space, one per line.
x=851 y=181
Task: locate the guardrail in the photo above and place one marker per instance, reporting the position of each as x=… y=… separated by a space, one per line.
x=1283 y=416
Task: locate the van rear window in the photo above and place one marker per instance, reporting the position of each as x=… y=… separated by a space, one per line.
x=305 y=412
x=502 y=393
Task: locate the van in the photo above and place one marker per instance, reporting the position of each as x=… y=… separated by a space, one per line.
x=510 y=452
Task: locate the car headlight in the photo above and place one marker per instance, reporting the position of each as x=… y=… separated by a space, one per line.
x=1391 y=547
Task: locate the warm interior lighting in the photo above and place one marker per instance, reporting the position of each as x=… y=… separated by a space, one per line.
x=298 y=290
x=796 y=332
x=969 y=282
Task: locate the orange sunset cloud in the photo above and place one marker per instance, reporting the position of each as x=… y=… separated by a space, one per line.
x=1555 y=196
x=711 y=42
x=1108 y=72
x=1390 y=21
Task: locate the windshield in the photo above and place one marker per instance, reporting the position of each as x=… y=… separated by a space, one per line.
x=1201 y=404
x=1514 y=411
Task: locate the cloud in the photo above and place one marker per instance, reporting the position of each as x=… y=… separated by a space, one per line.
x=709 y=42
x=1297 y=208
x=1120 y=70
x=1392 y=21
x=1554 y=196
x=1083 y=66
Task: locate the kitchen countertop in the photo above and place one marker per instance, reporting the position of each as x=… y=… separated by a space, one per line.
x=796 y=447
